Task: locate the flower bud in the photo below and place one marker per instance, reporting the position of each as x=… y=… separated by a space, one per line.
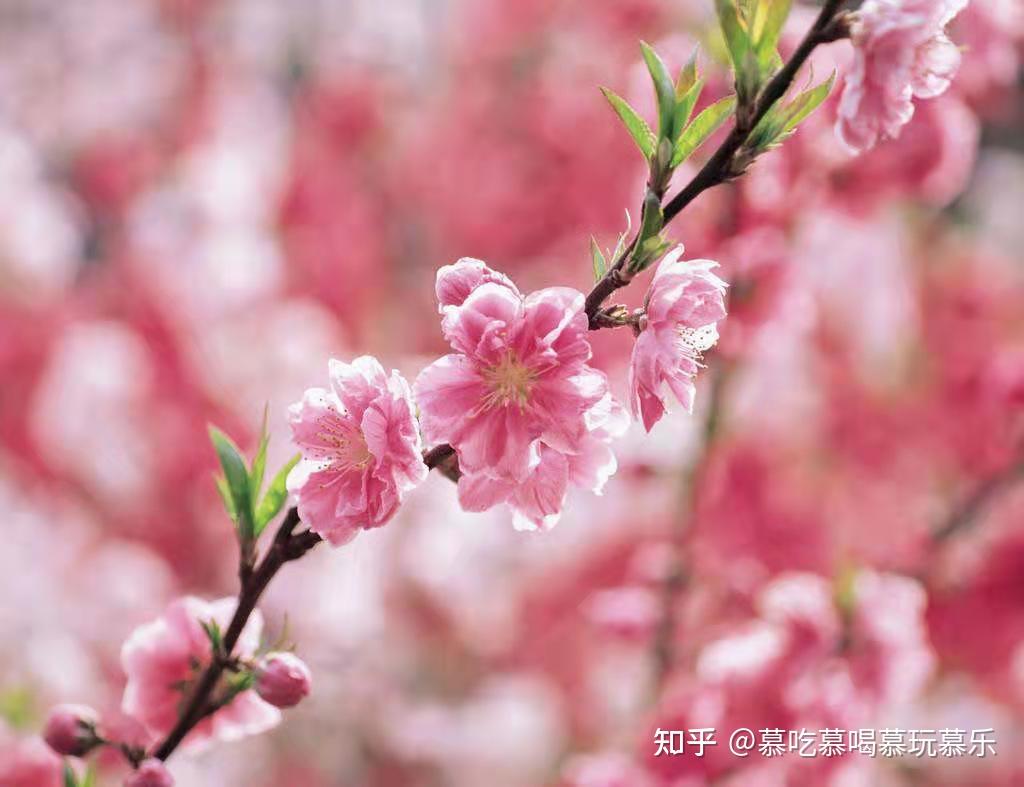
x=282 y=679
x=71 y=730
x=150 y=773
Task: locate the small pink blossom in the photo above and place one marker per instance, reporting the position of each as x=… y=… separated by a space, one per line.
x=27 y=762
x=682 y=307
x=901 y=53
x=456 y=282
x=163 y=658
x=519 y=373
x=361 y=451
x=150 y=773
x=628 y=612
x=71 y=730
x=526 y=414
x=283 y=679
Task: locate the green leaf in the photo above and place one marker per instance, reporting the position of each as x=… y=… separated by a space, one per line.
x=273 y=500
x=212 y=629
x=225 y=496
x=732 y=18
x=769 y=18
x=702 y=127
x=236 y=478
x=687 y=75
x=684 y=107
x=734 y=30
x=69 y=776
x=663 y=88
x=259 y=462
x=653 y=219
x=635 y=125
x=781 y=120
x=805 y=103
x=597 y=260
x=90 y=776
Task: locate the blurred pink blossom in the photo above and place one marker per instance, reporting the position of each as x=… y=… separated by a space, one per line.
x=27 y=762
x=902 y=53
x=361 y=450
x=160 y=659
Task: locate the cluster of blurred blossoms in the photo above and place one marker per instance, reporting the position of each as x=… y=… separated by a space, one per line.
x=517 y=415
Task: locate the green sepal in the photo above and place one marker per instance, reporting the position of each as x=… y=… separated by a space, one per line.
x=597 y=260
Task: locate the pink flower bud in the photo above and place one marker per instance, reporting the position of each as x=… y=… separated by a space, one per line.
x=282 y=679
x=151 y=773
x=71 y=730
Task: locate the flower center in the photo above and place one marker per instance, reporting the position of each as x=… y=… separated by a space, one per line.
x=697 y=341
x=510 y=381
x=345 y=446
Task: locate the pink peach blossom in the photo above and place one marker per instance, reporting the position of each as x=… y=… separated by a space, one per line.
x=27 y=762
x=519 y=374
x=455 y=282
x=682 y=307
x=160 y=659
x=901 y=53
x=361 y=451
x=537 y=500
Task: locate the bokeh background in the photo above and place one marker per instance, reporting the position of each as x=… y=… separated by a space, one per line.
x=201 y=201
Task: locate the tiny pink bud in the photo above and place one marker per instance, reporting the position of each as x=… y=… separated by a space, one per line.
x=71 y=730
x=282 y=679
x=151 y=773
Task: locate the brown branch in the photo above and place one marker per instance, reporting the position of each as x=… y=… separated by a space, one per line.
x=829 y=26
x=968 y=511
x=720 y=167
x=286 y=546
x=663 y=648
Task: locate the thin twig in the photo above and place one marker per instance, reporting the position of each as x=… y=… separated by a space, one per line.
x=663 y=645
x=286 y=546
x=968 y=512
x=719 y=168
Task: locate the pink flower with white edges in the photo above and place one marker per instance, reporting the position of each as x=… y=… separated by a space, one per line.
x=901 y=53
x=160 y=661
x=519 y=374
x=361 y=451
x=682 y=308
